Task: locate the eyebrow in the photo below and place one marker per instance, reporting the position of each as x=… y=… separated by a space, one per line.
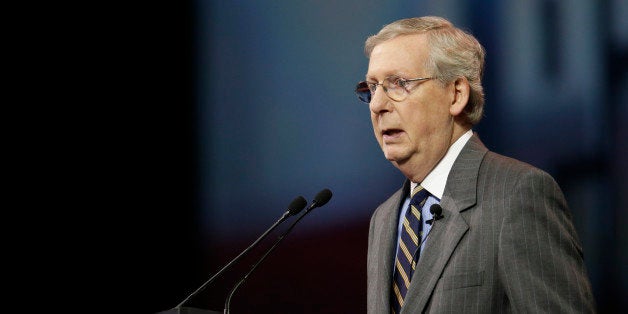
x=369 y=78
x=372 y=79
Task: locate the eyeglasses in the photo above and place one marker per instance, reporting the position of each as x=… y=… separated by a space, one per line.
x=396 y=88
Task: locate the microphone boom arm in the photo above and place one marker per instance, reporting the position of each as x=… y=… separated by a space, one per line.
x=319 y=200
x=296 y=206
x=271 y=249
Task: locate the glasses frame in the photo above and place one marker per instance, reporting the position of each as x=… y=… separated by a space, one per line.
x=372 y=87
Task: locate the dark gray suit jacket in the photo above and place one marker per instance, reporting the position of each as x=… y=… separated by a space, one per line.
x=506 y=244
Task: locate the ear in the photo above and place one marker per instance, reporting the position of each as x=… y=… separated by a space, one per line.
x=460 y=98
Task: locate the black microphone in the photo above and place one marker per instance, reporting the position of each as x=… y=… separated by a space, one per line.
x=319 y=200
x=437 y=213
x=294 y=208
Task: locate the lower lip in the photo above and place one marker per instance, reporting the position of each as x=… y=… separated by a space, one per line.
x=392 y=136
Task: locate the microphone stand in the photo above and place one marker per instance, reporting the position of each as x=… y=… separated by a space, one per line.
x=272 y=248
x=319 y=200
x=296 y=206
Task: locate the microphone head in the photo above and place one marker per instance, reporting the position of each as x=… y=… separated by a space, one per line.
x=436 y=210
x=297 y=205
x=321 y=198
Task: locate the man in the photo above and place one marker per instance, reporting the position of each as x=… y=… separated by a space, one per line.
x=504 y=241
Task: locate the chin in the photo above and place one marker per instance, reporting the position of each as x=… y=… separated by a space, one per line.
x=394 y=156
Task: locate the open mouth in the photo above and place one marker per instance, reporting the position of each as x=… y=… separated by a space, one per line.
x=392 y=133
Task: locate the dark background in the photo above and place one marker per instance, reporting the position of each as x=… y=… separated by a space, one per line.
x=198 y=122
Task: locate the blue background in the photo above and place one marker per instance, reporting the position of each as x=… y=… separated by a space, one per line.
x=244 y=105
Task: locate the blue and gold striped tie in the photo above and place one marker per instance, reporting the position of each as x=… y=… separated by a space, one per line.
x=407 y=255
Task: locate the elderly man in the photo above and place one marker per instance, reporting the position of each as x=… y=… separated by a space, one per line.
x=470 y=230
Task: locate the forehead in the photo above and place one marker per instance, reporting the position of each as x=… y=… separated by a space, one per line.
x=403 y=55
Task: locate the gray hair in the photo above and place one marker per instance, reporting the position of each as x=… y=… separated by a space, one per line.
x=453 y=53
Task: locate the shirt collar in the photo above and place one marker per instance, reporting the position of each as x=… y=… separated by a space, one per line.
x=435 y=181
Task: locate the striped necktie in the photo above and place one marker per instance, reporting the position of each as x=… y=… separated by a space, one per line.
x=407 y=255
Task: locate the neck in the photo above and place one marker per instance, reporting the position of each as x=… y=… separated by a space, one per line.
x=417 y=172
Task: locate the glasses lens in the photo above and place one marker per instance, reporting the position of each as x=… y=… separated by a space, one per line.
x=393 y=89
x=363 y=92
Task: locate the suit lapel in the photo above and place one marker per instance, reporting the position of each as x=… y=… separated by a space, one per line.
x=459 y=195
x=385 y=241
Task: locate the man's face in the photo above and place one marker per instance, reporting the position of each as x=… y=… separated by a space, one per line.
x=414 y=133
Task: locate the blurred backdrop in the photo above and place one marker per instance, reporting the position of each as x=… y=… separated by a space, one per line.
x=248 y=104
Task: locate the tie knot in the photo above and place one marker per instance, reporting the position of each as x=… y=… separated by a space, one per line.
x=419 y=195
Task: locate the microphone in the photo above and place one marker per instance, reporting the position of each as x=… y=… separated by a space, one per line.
x=437 y=213
x=294 y=208
x=319 y=200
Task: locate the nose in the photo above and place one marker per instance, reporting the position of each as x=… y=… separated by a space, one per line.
x=379 y=101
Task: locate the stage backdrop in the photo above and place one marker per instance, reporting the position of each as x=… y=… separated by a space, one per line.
x=276 y=117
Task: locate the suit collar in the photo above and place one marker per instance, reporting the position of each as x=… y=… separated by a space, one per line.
x=436 y=180
x=461 y=186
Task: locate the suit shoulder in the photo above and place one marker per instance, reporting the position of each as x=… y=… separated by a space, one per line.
x=496 y=166
x=496 y=162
